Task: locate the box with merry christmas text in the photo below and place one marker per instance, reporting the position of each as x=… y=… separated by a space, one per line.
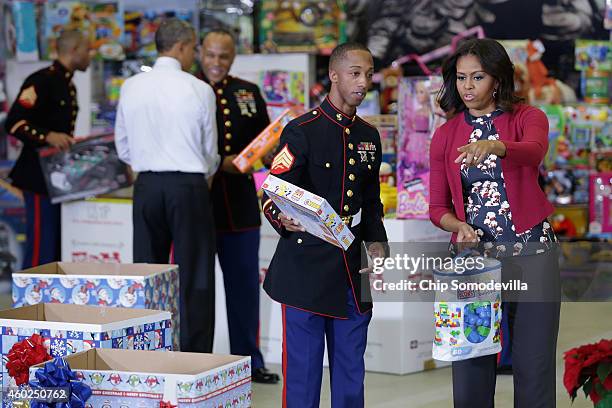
x=135 y=286
x=127 y=378
x=315 y=214
x=250 y=156
x=68 y=329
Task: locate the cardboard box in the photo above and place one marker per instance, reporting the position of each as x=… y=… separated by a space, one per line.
x=314 y=213
x=91 y=167
x=265 y=141
x=68 y=329
x=136 y=286
x=133 y=379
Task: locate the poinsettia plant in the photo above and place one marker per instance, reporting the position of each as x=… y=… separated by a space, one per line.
x=590 y=367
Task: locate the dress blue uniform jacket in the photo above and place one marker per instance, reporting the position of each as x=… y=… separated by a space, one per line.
x=337 y=157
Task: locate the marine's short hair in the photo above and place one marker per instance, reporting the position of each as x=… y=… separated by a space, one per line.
x=68 y=40
x=339 y=53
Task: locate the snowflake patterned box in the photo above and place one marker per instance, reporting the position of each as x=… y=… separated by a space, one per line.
x=127 y=378
x=68 y=329
x=136 y=286
x=315 y=214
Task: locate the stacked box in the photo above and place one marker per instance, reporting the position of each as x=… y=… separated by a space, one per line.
x=130 y=378
x=69 y=329
x=136 y=286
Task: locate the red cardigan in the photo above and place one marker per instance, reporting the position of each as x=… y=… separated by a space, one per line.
x=525 y=134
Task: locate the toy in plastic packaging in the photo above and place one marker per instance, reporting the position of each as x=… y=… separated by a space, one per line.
x=592 y=54
x=231 y=15
x=467 y=320
x=600 y=218
x=419 y=117
x=301 y=26
x=91 y=167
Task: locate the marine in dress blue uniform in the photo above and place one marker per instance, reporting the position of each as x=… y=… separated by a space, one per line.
x=44 y=114
x=335 y=154
x=241 y=116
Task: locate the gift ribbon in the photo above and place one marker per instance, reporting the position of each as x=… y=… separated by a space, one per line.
x=57 y=373
x=25 y=354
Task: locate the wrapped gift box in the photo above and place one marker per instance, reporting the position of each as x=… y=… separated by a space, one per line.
x=265 y=141
x=315 y=214
x=131 y=378
x=137 y=286
x=68 y=329
x=91 y=167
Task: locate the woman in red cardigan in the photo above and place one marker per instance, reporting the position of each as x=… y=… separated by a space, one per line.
x=484 y=189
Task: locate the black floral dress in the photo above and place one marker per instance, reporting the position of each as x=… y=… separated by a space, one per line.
x=486 y=203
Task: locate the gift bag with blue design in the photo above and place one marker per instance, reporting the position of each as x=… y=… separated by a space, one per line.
x=467 y=310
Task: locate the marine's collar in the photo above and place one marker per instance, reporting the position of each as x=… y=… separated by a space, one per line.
x=336 y=115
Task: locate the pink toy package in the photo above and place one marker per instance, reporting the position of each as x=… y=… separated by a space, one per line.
x=419 y=117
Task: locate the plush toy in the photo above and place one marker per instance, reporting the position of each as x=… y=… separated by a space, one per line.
x=538 y=73
x=389 y=94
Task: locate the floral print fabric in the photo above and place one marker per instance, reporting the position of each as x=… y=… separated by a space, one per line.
x=486 y=203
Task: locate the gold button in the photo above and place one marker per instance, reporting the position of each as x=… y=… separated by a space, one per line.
x=67 y=75
x=33 y=131
x=228 y=148
x=299 y=241
x=347 y=131
x=346 y=208
x=352 y=177
x=223 y=101
x=62 y=103
x=226 y=111
x=327 y=165
x=315 y=112
x=73 y=103
x=72 y=123
x=220 y=91
x=349 y=193
x=228 y=136
x=350 y=145
x=369 y=167
x=72 y=93
x=225 y=82
x=351 y=161
x=338 y=116
x=27 y=128
x=41 y=137
x=228 y=123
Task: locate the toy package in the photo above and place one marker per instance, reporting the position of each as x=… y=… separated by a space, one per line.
x=141 y=25
x=107 y=24
x=64 y=15
x=419 y=117
x=89 y=168
x=315 y=214
x=387 y=129
x=567 y=186
x=600 y=217
x=301 y=26
x=231 y=15
x=556 y=124
x=467 y=322
x=594 y=55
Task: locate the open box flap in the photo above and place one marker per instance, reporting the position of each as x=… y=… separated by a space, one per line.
x=109 y=270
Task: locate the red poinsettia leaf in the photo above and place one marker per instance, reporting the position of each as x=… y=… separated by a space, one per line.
x=608 y=383
x=603 y=371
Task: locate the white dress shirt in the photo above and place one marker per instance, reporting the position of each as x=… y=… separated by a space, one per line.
x=166 y=121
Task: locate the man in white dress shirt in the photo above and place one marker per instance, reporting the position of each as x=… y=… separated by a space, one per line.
x=166 y=131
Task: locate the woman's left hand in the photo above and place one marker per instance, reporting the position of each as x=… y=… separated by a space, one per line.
x=475 y=153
